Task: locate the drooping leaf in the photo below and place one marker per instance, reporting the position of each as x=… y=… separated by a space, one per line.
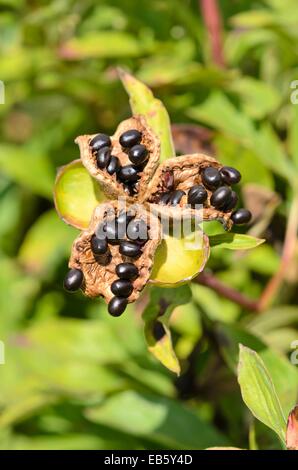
x=235 y=241
x=156 y=317
x=76 y=194
x=143 y=102
x=258 y=391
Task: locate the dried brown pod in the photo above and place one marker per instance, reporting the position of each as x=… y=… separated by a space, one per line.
x=100 y=270
x=111 y=184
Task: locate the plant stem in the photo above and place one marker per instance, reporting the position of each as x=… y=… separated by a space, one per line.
x=207 y=279
x=212 y=18
x=289 y=248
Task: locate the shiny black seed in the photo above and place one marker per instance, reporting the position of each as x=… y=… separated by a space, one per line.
x=197 y=195
x=130 y=138
x=128 y=174
x=127 y=271
x=230 y=175
x=111 y=230
x=137 y=230
x=241 y=216
x=73 y=280
x=231 y=203
x=113 y=166
x=138 y=154
x=99 y=141
x=211 y=177
x=176 y=197
x=130 y=249
x=125 y=217
x=164 y=198
x=122 y=288
x=130 y=189
x=103 y=157
x=99 y=246
x=117 y=305
x=158 y=331
x=221 y=196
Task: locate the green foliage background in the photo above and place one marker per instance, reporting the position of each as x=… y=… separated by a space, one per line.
x=75 y=377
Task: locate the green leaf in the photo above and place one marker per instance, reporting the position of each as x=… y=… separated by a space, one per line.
x=235 y=241
x=163 y=421
x=163 y=300
x=102 y=44
x=219 y=112
x=258 y=391
x=46 y=242
x=28 y=168
x=293 y=135
x=76 y=195
x=143 y=102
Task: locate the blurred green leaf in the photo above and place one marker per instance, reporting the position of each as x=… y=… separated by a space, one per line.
x=164 y=421
x=258 y=391
x=163 y=300
x=143 y=102
x=235 y=241
x=102 y=44
x=26 y=167
x=47 y=241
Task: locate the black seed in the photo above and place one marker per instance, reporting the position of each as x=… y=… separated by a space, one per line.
x=211 y=177
x=127 y=271
x=103 y=157
x=113 y=166
x=176 y=197
x=158 y=331
x=241 y=216
x=197 y=195
x=99 y=141
x=99 y=246
x=111 y=230
x=130 y=189
x=164 y=198
x=73 y=280
x=221 y=196
x=116 y=306
x=128 y=174
x=137 y=230
x=138 y=154
x=122 y=288
x=231 y=203
x=130 y=138
x=130 y=249
x=230 y=175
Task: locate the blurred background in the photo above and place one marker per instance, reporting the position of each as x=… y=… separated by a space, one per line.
x=75 y=378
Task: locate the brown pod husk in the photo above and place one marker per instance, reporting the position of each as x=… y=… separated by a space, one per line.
x=184 y=171
x=99 y=272
x=110 y=185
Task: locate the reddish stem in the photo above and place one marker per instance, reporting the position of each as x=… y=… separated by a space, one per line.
x=212 y=19
x=207 y=279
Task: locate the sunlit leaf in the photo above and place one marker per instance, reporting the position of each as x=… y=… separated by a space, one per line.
x=258 y=391
x=143 y=102
x=235 y=241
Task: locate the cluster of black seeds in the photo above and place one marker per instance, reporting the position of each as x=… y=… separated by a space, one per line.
x=131 y=234
x=219 y=183
x=137 y=153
